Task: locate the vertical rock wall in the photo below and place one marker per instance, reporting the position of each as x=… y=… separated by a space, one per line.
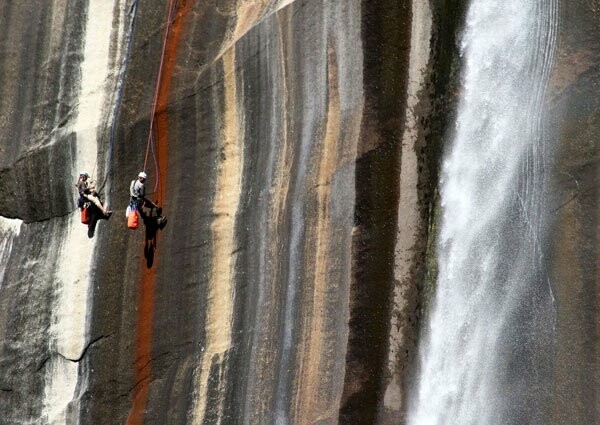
x=54 y=86
x=294 y=154
x=575 y=124
x=275 y=156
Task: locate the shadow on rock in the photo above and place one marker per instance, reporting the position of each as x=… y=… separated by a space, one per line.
x=153 y=221
x=95 y=216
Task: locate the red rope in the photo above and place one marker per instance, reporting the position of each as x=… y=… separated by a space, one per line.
x=162 y=58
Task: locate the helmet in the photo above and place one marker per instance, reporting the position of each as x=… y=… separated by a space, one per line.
x=83 y=173
x=142 y=175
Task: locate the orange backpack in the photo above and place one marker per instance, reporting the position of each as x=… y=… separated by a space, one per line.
x=133 y=219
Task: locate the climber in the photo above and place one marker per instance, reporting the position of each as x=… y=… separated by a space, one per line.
x=87 y=191
x=137 y=191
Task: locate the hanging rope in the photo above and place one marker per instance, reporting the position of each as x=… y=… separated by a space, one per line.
x=150 y=143
x=119 y=96
x=155 y=165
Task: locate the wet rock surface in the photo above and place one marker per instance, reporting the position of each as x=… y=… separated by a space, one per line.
x=575 y=122
x=279 y=131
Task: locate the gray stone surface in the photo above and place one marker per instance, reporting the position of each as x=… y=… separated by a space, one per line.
x=575 y=123
x=278 y=142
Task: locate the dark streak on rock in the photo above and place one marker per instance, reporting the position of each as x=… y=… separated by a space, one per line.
x=43 y=363
x=386 y=46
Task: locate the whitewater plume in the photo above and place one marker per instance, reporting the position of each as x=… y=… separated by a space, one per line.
x=485 y=348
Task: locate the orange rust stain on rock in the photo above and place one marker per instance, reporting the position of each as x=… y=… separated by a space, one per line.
x=147 y=285
x=162 y=118
x=143 y=346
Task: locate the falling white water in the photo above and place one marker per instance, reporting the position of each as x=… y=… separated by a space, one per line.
x=484 y=352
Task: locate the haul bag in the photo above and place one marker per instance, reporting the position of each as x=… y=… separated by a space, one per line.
x=133 y=220
x=85 y=216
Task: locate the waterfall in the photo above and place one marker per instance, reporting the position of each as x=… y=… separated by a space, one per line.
x=485 y=355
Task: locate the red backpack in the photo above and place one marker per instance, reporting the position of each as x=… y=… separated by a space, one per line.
x=85 y=215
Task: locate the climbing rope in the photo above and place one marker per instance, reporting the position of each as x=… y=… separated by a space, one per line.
x=150 y=144
x=119 y=95
x=155 y=166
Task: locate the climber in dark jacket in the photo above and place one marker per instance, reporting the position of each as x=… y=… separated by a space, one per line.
x=87 y=191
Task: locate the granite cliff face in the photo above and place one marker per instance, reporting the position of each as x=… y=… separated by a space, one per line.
x=276 y=157
x=295 y=153
x=574 y=107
